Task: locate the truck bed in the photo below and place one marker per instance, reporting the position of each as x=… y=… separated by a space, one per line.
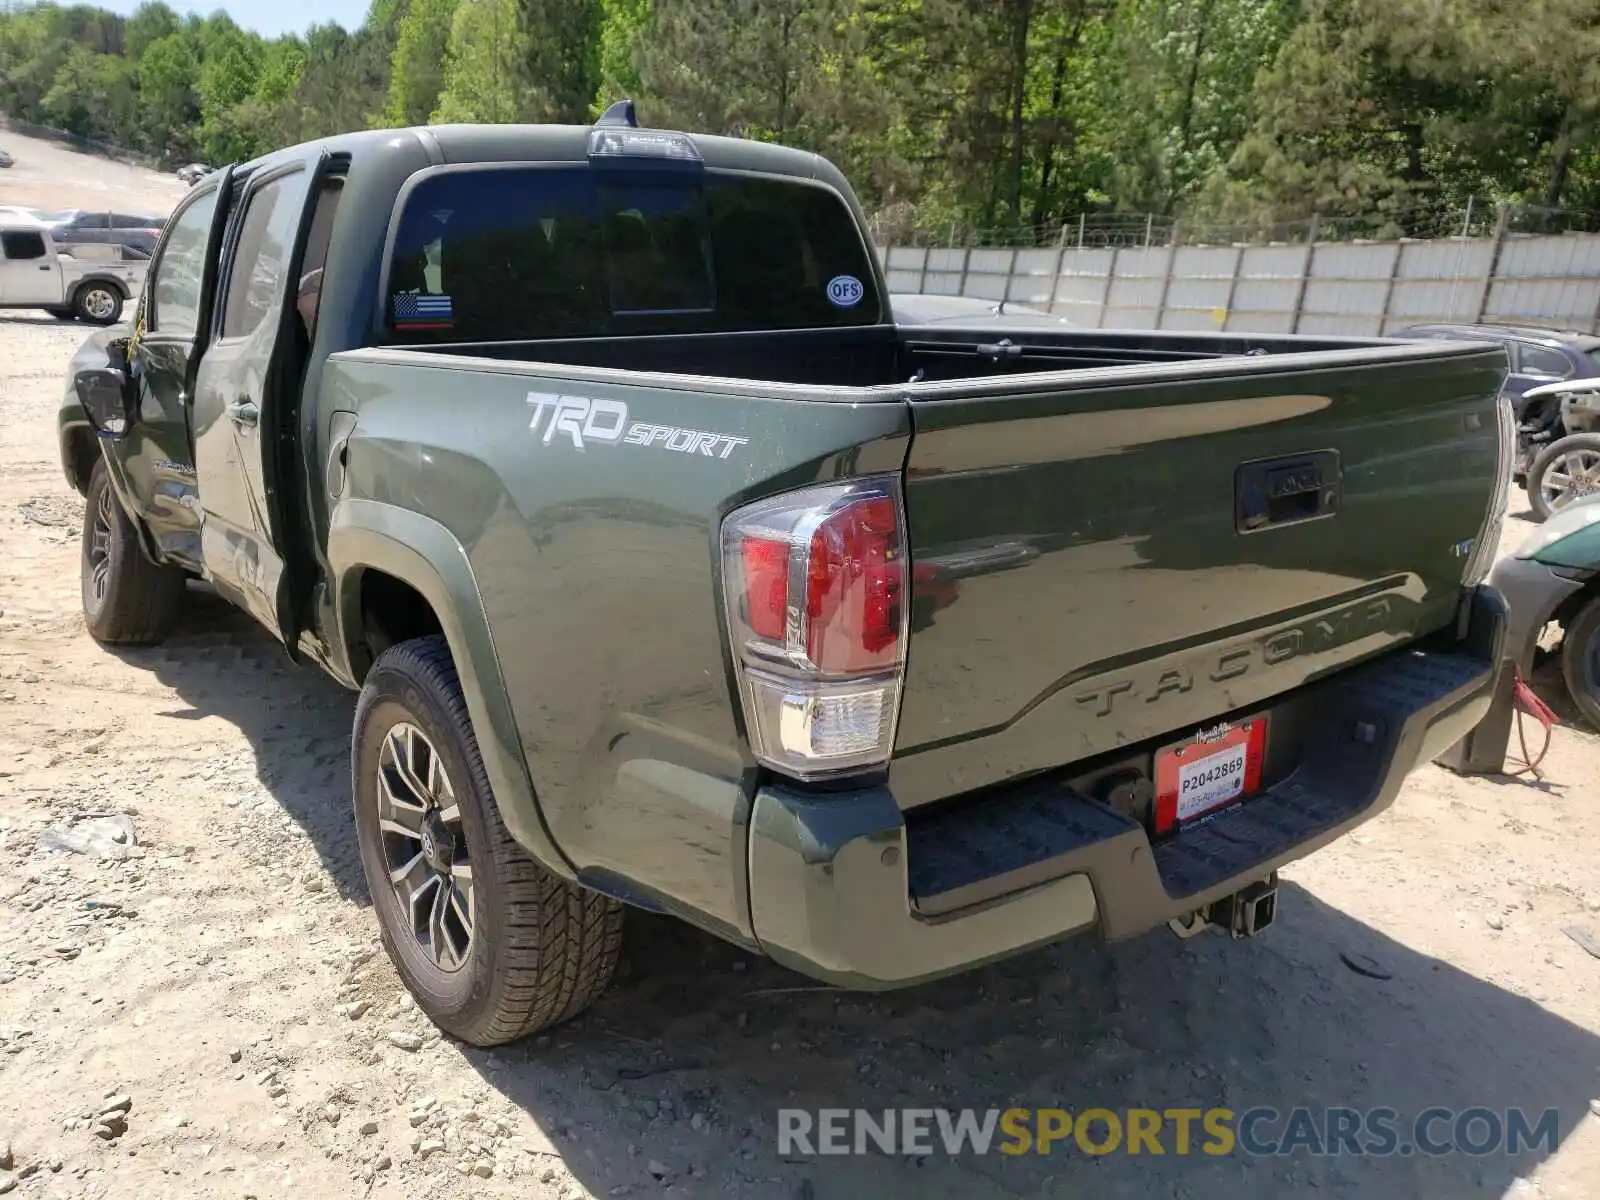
x=880 y=356
x=1115 y=536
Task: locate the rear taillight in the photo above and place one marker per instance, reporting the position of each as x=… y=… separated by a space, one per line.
x=816 y=585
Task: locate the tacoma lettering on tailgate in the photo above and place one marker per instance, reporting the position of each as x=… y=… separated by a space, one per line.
x=1218 y=666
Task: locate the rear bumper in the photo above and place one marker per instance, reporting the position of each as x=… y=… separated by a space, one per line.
x=841 y=888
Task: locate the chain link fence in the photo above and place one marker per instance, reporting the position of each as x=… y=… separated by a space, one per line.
x=1427 y=222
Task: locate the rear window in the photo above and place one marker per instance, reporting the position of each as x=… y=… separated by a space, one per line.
x=556 y=252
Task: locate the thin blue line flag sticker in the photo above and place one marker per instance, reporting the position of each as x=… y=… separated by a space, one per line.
x=415 y=311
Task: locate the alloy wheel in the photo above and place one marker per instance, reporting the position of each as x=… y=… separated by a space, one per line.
x=1571 y=476
x=99 y=304
x=424 y=847
x=100 y=548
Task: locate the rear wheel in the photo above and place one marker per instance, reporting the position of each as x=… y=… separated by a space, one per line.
x=1566 y=472
x=100 y=303
x=1580 y=661
x=492 y=945
x=127 y=599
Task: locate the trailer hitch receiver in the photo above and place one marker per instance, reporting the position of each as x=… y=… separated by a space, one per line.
x=1244 y=914
x=1248 y=911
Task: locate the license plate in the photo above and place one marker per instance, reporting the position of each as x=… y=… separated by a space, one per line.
x=1212 y=769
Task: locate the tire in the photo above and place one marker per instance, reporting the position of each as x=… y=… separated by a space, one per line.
x=127 y=599
x=98 y=303
x=538 y=949
x=1579 y=457
x=1580 y=661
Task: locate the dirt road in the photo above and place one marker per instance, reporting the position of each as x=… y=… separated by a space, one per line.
x=223 y=982
x=49 y=175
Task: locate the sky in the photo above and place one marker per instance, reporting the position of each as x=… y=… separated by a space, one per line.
x=269 y=17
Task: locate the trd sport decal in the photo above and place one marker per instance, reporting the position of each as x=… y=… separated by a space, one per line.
x=584 y=419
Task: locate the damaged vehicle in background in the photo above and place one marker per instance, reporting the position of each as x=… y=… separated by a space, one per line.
x=1551 y=584
x=1549 y=386
x=1567 y=468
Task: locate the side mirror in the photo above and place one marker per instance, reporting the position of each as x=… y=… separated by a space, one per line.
x=103 y=392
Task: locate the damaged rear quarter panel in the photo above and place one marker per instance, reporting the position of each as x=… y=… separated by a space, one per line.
x=589 y=513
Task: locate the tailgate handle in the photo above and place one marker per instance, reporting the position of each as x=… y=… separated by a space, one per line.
x=1286 y=491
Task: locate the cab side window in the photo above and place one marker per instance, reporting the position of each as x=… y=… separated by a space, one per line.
x=20 y=247
x=261 y=254
x=175 y=279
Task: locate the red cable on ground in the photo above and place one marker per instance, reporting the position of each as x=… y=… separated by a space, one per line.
x=1529 y=704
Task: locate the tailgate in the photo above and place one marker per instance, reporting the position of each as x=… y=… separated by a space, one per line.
x=1103 y=557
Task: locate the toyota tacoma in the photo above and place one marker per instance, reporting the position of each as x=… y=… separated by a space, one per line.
x=674 y=574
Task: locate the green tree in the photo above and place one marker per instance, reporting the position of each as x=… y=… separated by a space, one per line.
x=1544 y=56
x=149 y=24
x=30 y=55
x=1181 y=103
x=92 y=96
x=416 y=75
x=622 y=24
x=169 y=105
x=282 y=64
x=228 y=77
x=1007 y=115
x=344 y=85
x=1358 y=118
x=563 y=58
x=485 y=64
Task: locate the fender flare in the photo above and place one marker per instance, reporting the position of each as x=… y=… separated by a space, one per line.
x=80 y=450
x=111 y=281
x=416 y=549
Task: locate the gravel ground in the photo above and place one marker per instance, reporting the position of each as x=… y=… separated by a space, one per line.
x=204 y=1012
x=49 y=175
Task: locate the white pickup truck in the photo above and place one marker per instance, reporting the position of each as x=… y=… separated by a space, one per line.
x=83 y=282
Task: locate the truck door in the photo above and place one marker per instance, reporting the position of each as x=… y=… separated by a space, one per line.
x=168 y=324
x=241 y=541
x=29 y=273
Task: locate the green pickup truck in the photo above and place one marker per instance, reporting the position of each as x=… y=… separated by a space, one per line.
x=673 y=573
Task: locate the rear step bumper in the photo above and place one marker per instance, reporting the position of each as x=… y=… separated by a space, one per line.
x=841 y=888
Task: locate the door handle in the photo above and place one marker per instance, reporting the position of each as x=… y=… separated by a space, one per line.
x=244 y=413
x=44 y=266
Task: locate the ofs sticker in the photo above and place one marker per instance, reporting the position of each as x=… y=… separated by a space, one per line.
x=845 y=291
